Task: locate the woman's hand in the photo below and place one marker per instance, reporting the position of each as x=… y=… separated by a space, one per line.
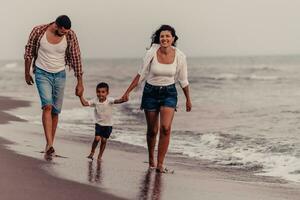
x=188 y=105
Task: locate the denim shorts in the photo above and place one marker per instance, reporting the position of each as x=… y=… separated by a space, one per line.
x=156 y=96
x=51 y=88
x=103 y=131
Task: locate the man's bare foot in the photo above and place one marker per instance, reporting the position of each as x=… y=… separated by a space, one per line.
x=99 y=159
x=50 y=151
x=91 y=156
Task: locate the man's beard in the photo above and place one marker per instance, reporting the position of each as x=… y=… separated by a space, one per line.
x=58 y=34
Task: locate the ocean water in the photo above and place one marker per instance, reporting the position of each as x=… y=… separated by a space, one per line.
x=246 y=110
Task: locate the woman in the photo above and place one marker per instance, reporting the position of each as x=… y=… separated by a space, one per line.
x=163 y=66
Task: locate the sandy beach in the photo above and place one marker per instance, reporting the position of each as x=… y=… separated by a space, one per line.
x=22 y=177
x=123 y=172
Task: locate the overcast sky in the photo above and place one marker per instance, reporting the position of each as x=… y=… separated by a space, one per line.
x=122 y=28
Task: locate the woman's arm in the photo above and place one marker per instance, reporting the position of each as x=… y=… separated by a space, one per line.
x=83 y=101
x=132 y=85
x=188 y=103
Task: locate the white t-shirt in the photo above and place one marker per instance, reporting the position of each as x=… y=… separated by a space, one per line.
x=103 y=111
x=51 y=57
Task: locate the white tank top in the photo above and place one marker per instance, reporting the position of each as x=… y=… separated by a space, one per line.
x=162 y=74
x=51 y=57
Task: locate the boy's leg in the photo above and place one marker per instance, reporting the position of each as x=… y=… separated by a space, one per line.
x=102 y=147
x=94 y=146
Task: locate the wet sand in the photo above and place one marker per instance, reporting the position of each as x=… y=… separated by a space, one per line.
x=123 y=173
x=22 y=177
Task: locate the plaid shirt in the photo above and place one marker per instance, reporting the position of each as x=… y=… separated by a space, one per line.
x=72 y=56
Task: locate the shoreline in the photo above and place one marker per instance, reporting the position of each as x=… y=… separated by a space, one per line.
x=124 y=173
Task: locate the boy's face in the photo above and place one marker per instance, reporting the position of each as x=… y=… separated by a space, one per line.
x=102 y=93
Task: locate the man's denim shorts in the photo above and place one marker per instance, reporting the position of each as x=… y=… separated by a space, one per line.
x=51 y=88
x=156 y=96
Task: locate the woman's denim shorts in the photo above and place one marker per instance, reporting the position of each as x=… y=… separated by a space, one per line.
x=156 y=96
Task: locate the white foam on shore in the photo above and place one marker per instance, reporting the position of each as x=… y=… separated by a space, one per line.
x=220 y=149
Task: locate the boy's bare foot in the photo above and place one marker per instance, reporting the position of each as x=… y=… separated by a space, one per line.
x=151 y=164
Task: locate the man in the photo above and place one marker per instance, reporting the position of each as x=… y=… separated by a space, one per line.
x=49 y=49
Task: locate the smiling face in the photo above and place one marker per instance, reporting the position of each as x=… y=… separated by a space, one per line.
x=166 y=39
x=102 y=93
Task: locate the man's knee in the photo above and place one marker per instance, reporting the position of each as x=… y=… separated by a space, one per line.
x=47 y=108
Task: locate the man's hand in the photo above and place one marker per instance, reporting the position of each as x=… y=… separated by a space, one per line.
x=29 y=79
x=79 y=89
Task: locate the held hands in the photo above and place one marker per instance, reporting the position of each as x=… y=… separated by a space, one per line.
x=125 y=97
x=79 y=90
x=29 y=79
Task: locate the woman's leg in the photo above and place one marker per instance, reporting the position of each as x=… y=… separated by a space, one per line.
x=152 y=129
x=166 y=118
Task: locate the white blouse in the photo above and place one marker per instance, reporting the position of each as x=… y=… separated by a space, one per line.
x=149 y=61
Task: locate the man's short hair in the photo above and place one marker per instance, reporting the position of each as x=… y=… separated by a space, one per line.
x=103 y=85
x=63 y=21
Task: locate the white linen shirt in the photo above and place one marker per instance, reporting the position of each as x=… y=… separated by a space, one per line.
x=181 y=75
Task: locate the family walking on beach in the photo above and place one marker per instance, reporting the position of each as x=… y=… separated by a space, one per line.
x=53 y=46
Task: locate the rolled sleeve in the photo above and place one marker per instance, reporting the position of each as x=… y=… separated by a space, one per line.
x=183 y=74
x=31 y=44
x=75 y=56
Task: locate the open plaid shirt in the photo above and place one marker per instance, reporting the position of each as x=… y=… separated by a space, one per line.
x=72 y=56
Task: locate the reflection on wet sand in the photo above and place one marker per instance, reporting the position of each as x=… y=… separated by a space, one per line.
x=151 y=186
x=94 y=176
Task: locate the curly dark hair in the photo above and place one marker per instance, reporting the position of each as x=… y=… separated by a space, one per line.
x=155 y=36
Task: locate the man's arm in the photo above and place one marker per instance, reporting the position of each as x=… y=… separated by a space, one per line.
x=79 y=87
x=75 y=62
x=29 y=51
x=28 y=77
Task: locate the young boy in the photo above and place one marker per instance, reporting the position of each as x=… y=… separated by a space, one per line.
x=103 y=116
